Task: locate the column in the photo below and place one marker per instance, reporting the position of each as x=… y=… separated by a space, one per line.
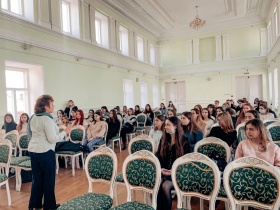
x=225 y=47
x=44 y=13
x=118 y=36
x=196 y=51
x=189 y=52
x=131 y=44
x=85 y=29
x=218 y=48
x=92 y=24
x=135 y=45
x=158 y=49
x=113 y=44
x=263 y=34
x=55 y=15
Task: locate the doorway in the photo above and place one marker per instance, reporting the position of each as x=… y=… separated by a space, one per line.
x=176 y=92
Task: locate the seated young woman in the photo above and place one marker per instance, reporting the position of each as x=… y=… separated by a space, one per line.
x=207 y=120
x=265 y=114
x=118 y=112
x=198 y=119
x=69 y=107
x=124 y=112
x=173 y=145
x=250 y=114
x=225 y=131
x=171 y=106
x=9 y=123
x=171 y=113
x=129 y=122
x=191 y=129
x=163 y=110
x=199 y=107
x=59 y=114
x=95 y=132
x=72 y=116
x=113 y=126
x=90 y=117
x=232 y=114
x=241 y=117
x=156 y=132
x=150 y=114
x=80 y=119
x=258 y=145
x=22 y=125
x=137 y=110
x=212 y=110
x=104 y=111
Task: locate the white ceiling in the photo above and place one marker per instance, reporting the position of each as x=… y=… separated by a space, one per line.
x=170 y=18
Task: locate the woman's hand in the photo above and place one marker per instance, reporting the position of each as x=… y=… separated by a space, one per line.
x=231 y=148
x=166 y=172
x=67 y=131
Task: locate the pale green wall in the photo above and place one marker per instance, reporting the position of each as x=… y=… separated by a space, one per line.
x=243 y=42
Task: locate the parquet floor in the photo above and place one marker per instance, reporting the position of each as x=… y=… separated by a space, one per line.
x=68 y=187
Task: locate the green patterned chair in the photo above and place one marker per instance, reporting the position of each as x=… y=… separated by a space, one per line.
x=22 y=143
x=208 y=147
x=25 y=165
x=240 y=130
x=195 y=174
x=101 y=166
x=141 y=120
x=117 y=138
x=142 y=142
x=141 y=171
x=77 y=136
x=274 y=130
x=12 y=136
x=5 y=159
x=251 y=181
x=102 y=143
x=269 y=122
x=157 y=112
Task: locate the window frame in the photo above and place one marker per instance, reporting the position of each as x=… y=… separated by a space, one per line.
x=154 y=57
x=69 y=16
x=125 y=93
x=13 y=13
x=141 y=94
x=100 y=33
x=138 y=36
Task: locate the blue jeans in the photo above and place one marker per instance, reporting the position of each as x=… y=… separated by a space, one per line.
x=90 y=144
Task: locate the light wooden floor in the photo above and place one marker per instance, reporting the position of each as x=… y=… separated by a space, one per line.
x=68 y=187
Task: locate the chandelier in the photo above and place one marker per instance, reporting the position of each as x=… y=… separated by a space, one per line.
x=197 y=22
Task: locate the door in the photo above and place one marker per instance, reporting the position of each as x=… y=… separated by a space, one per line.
x=249 y=87
x=176 y=92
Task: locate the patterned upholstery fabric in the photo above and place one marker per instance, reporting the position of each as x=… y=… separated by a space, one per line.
x=88 y=201
x=241 y=133
x=268 y=123
x=140 y=128
x=23 y=142
x=12 y=138
x=141 y=145
x=211 y=150
x=67 y=152
x=4 y=153
x=275 y=133
x=116 y=137
x=140 y=119
x=222 y=192
x=101 y=143
x=101 y=167
x=141 y=172
x=17 y=160
x=252 y=183
x=3 y=177
x=132 y=206
x=77 y=135
x=119 y=178
x=157 y=113
x=25 y=164
x=277 y=143
x=195 y=177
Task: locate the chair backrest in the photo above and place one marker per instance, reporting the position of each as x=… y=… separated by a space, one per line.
x=120 y=127
x=270 y=121
x=106 y=131
x=2 y=134
x=142 y=171
x=274 y=130
x=77 y=134
x=240 y=126
x=157 y=112
x=22 y=143
x=5 y=155
x=251 y=181
x=240 y=131
x=211 y=146
x=195 y=174
x=101 y=166
x=141 y=120
x=141 y=142
x=12 y=136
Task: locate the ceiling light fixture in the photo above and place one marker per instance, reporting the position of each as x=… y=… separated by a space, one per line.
x=197 y=22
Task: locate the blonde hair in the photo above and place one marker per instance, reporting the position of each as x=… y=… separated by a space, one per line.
x=226 y=122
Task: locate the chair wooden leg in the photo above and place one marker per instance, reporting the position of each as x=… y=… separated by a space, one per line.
x=57 y=165
x=201 y=204
x=189 y=202
x=83 y=161
x=19 y=180
x=8 y=193
x=145 y=198
x=113 y=145
x=65 y=159
x=120 y=145
x=73 y=165
x=116 y=194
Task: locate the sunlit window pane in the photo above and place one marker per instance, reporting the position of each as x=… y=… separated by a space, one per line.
x=10 y=102
x=4 y=4
x=15 y=79
x=16 y=6
x=140 y=48
x=144 y=94
x=21 y=102
x=152 y=54
x=65 y=17
x=98 y=30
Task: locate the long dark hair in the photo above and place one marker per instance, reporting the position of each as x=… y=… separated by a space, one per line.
x=11 y=116
x=91 y=110
x=114 y=116
x=166 y=139
x=209 y=115
x=101 y=118
x=192 y=126
x=161 y=118
x=255 y=113
x=150 y=109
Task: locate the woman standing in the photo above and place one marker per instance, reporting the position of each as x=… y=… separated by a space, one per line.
x=44 y=134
